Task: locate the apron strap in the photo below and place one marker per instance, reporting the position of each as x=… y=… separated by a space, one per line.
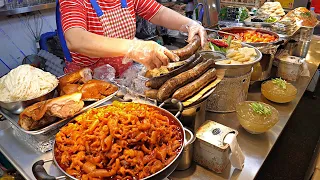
x=98 y=10
x=96 y=7
x=63 y=43
x=124 y=3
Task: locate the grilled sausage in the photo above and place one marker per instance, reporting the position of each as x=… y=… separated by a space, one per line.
x=151 y=93
x=170 y=86
x=195 y=86
x=157 y=82
x=189 y=49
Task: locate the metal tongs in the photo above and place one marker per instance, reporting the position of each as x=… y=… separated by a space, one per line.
x=222 y=32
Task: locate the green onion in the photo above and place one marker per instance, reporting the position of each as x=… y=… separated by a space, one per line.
x=216 y=48
x=260 y=108
x=224 y=50
x=280 y=82
x=211 y=46
x=229 y=40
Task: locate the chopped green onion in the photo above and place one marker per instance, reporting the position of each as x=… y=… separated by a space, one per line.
x=260 y=108
x=216 y=48
x=211 y=46
x=280 y=82
x=229 y=40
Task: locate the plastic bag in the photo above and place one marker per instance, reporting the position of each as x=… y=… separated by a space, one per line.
x=133 y=78
x=105 y=73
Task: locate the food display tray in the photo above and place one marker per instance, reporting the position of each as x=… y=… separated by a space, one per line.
x=255 y=24
x=289 y=35
x=41 y=140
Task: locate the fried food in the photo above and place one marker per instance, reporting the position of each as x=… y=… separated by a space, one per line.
x=119 y=141
x=45 y=112
x=239 y=56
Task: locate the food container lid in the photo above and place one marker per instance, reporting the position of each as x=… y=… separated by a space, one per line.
x=214 y=133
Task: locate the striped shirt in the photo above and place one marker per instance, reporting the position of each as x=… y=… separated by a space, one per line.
x=80 y=13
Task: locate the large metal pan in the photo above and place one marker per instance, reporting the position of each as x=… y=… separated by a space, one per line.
x=40 y=173
x=243 y=29
x=18 y=106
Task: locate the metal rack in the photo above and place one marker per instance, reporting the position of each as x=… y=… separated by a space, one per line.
x=6 y=12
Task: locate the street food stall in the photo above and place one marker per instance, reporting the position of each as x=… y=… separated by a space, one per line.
x=214 y=112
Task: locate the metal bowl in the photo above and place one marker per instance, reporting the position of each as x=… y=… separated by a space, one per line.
x=257 y=44
x=232 y=69
x=18 y=106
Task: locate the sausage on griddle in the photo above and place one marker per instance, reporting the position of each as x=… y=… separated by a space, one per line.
x=170 y=86
x=157 y=82
x=195 y=86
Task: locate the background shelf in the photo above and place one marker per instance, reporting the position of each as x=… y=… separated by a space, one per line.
x=6 y=12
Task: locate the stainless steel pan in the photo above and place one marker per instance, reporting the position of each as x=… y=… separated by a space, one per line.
x=41 y=174
x=258 y=44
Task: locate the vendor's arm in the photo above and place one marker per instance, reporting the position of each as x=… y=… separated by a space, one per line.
x=93 y=45
x=173 y=20
x=148 y=53
x=74 y=23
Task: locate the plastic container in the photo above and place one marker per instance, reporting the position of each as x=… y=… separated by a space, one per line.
x=253 y=122
x=275 y=93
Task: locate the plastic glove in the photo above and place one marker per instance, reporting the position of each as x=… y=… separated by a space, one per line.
x=150 y=54
x=194 y=28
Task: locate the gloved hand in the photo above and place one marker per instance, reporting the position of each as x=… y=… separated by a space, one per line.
x=194 y=28
x=150 y=54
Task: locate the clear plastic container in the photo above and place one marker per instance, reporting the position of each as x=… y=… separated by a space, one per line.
x=253 y=122
x=277 y=94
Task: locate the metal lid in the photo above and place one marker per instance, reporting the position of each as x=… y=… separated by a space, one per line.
x=214 y=133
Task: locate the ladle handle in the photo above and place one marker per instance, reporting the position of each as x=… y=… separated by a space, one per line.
x=174 y=102
x=40 y=173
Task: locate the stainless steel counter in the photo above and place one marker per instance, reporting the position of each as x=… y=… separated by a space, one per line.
x=255 y=147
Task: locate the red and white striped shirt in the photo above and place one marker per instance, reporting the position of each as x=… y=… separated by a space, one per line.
x=80 y=13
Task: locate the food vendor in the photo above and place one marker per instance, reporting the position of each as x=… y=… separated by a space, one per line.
x=98 y=32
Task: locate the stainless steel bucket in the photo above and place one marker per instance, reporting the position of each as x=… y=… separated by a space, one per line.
x=229 y=92
x=300 y=43
x=262 y=70
x=194 y=116
x=187 y=153
x=298 y=48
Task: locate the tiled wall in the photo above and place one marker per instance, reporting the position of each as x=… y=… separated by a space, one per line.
x=16 y=41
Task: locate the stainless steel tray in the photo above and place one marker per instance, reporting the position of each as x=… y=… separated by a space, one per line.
x=13 y=118
x=289 y=35
x=255 y=24
x=236 y=66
